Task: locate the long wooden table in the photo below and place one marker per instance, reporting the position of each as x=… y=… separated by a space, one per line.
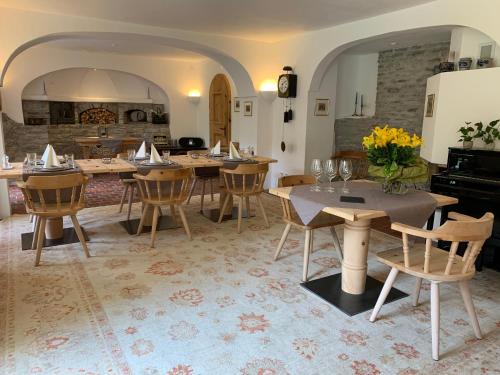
x=353 y=279
x=54 y=228
x=86 y=143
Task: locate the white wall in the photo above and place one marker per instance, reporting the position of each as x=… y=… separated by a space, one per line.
x=466 y=42
x=460 y=96
x=356 y=73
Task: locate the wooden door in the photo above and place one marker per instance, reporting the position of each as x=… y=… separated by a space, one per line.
x=220 y=111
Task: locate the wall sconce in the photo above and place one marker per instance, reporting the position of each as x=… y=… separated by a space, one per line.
x=194 y=96
x=269 y=90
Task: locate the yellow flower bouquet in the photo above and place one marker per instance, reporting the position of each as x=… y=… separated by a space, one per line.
x=393 y=160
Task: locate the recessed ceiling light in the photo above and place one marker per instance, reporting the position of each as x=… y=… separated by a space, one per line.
x=95 y=69
x=393 y=43
x=113 y=45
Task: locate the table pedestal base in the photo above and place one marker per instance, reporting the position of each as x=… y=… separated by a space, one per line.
x=214 y=214
x=164 y=222
x=330 y=289
x=68 y=237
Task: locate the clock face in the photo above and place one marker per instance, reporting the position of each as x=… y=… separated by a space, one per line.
x=283 y=84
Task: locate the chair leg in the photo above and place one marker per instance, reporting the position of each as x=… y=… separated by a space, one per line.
x=416 y=292
x=435 y=319
x=123 y=198
x=383 y=293
x=262 y=210
x=307 y=251
x=154 y=225
x=80 y=235
x=184 y=222
x=143 y=218
x=203 y=194
x=282 y=241
x=212 y=189
x=191 y=190
x=226 y=201
x=173 y=213
x=35 y=232
x=41 y=237
x=240 y=213
x=469 y=305
x=130 y=200
x=336 y=243
x=247 y=205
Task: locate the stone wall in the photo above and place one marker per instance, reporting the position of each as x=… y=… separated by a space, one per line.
x=401 y=85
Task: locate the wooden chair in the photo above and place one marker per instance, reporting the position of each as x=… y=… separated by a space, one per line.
x=163 y=187
x=245 y=181
x=203 y=174
x=54 y=197
x=425 y=261
x=359 y=162
x=130 y=187
x=322 y=220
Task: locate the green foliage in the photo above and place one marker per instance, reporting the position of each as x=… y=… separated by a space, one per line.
x=391 y=157
x=466 y=132
x=487 y=133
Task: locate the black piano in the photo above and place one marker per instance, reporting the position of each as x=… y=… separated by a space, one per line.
x=473 y=176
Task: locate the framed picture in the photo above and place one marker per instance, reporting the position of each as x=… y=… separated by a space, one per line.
x=237 y=105
x=322 y=107
x=429 y=109
x=247 y=108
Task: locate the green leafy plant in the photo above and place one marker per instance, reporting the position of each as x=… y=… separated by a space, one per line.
x=487 y=133
x=466 y=132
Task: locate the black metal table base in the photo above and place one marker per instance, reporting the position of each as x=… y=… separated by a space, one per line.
x=69 y=237
x=330 y=289
x=214 y=213
x=164 y=222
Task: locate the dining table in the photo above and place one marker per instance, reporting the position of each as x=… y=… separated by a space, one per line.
x=353 y=291
x=57 y=235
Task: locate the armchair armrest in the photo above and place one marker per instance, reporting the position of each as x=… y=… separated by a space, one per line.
x=413 y=231
x=21 y=184
x=460 y=217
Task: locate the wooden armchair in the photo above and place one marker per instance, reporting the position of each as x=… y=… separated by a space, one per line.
x=359 y=162
x=425 y=261
x=322 y=220
x=203 y=174
x=245 y=181
x=163 y=187
x=48 y=197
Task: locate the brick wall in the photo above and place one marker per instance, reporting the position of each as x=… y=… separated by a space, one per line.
x=401 y=85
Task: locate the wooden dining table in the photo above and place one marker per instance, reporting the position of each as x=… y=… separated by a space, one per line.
x=352 y=291
x=55 y=234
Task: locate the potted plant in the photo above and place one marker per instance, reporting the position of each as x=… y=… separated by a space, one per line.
x=392 y=158
x=466 y=135
x=488 y=133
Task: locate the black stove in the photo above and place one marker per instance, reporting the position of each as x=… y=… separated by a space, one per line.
x=473 y=176
x=181 y=147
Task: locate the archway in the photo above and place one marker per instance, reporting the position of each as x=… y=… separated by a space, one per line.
x=220 y=111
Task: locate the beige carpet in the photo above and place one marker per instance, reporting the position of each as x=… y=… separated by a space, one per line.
x=217 y=305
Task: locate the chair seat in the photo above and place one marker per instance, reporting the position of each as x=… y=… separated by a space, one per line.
x=128 y=181
x=322 y=220
x=439 y=258
x=51 y=209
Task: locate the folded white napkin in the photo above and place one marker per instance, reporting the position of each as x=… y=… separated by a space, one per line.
x=142 y=151
x=46 y=153
x=216 y=149
x=233 y=152
x=51 y=160
x=155 y=156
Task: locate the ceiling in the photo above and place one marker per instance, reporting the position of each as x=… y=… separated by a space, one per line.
x=130 y=47
x=263 y=20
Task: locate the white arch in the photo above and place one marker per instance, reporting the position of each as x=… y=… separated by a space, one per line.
x=238 y=73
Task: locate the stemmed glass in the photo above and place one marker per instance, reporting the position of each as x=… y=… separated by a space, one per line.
x=330 y=167
x=345 y=171
x=166 y=156
x=31 y=160
x=317 y=171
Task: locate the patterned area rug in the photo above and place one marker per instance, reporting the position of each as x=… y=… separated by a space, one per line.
x=218 y=304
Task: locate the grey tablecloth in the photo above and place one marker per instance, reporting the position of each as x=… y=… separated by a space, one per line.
x=413 y=208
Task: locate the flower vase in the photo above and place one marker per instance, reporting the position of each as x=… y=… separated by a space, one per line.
x=467 y=145
x=394 y=187
x=489 y=146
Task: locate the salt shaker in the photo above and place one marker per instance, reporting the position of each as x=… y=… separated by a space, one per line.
x=5 y=162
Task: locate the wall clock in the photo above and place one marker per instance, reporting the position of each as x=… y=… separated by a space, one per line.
x=287 y=83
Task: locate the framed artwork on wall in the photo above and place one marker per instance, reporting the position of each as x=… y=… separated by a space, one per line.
x=429 y=108
x=247 y=108
x=322 y=107
x=237 y=104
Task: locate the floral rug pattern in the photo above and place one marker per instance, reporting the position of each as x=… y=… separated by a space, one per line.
x=218 y=304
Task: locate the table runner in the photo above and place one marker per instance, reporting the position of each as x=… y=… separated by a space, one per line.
x=413 y=208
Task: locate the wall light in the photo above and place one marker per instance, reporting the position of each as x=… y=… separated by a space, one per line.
x=194 y=96
x=269 y=89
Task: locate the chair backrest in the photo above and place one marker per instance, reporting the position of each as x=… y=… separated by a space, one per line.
x=359 y=162
x=293 y=180
x=165 y=186
x=39 y=191
x=245 y=178
x=460 y=229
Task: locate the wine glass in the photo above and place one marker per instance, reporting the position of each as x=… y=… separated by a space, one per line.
x=317 y=171
x=31 y=160
x=330 y=167
x=345 y=171
x=166 y=156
